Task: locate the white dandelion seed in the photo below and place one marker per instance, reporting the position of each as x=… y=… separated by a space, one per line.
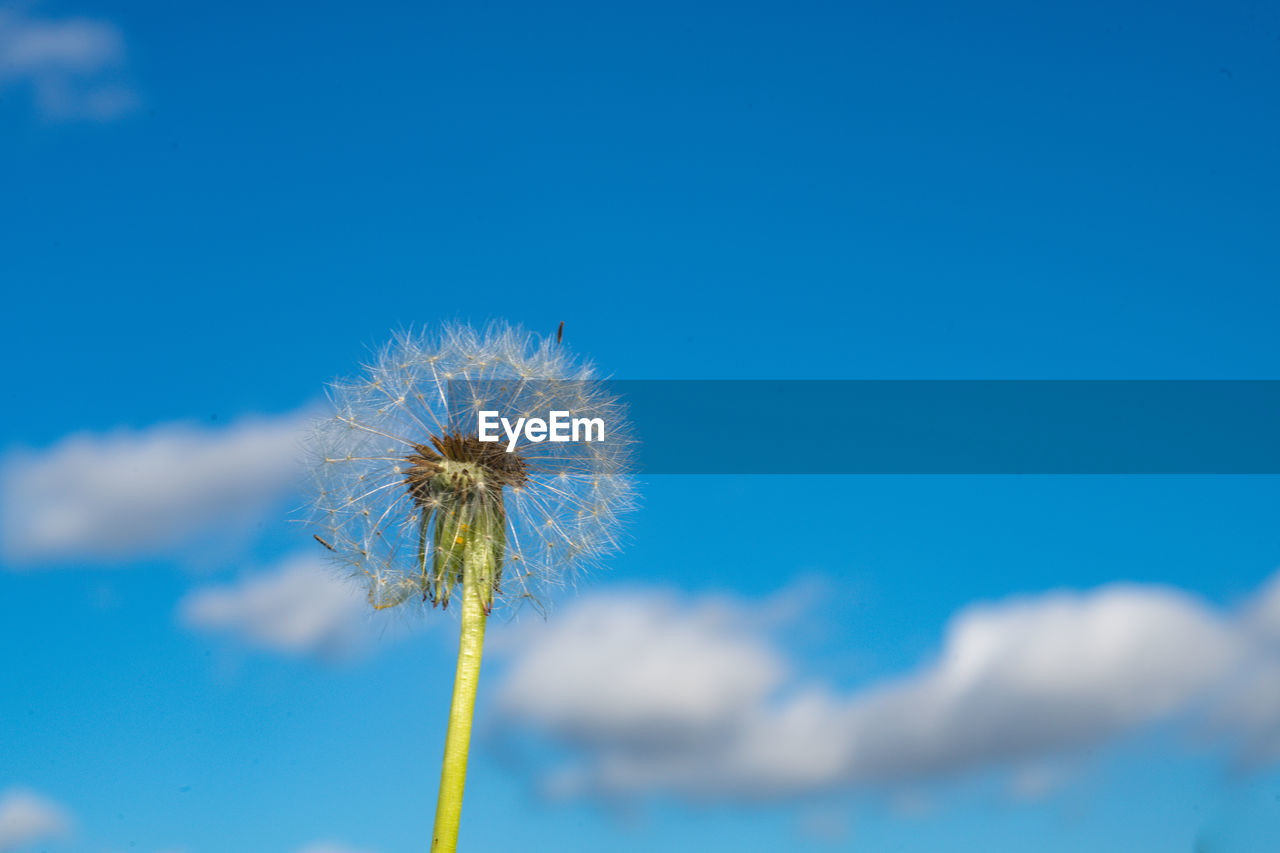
x=406 y=488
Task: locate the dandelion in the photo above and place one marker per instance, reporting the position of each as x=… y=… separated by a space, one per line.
x=421 y=509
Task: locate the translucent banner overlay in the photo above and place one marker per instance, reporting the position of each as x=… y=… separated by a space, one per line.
x=913 y=427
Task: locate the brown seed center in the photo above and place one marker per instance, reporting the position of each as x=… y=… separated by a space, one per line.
x=461 y=464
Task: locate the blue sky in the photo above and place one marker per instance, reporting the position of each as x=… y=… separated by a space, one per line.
x=210 y=212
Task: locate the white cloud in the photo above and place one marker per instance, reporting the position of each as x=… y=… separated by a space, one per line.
x=652 y=696
x=27 y=817
x=1038 y=676
x=687 y=672
x=72 y=66
x=301 y=607
x=1248 y=708
x=137 y=493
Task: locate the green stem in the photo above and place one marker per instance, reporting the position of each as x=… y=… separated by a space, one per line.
x=453 y=774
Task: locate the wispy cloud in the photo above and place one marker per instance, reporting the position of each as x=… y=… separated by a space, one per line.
x=128 y=494
x=298 y=608
x=73 y=67
x=652 y=695
x=27 y=818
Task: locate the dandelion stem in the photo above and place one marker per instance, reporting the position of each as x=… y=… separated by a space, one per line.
x=479 y=561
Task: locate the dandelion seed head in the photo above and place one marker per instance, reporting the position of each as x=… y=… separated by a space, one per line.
x=400 y=453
